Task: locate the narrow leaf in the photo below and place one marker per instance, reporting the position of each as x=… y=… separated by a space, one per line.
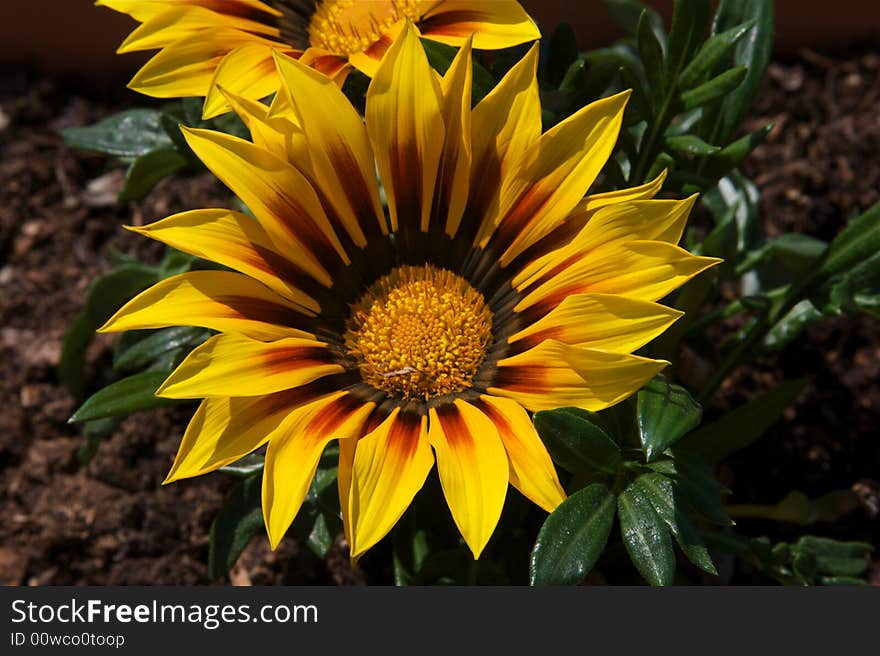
x=157 y=344
x=576 y=443
x=716 y=88
x=127 y=135
x=665 y=413
x=711 y=53
x=237 y=522
x=149 y=169
x=645 y=536
x=132 y=394
x=690 y=144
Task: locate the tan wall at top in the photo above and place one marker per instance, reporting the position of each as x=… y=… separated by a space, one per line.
x=73 y=35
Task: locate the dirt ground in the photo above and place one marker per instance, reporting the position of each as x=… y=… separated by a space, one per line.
x=111 y=522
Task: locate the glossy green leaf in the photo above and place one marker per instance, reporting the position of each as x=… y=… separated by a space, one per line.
x=127 y=135
x=690 y=19
x=235 y=525
x=111 y=291
x=663 y=162
x=573 y=537
x=665 y=413
x=149 y=169
x=245 y=467
x=577 y=443
x=711 y=54
x=718 y=87
x=859 y=241
x=690 y=144
x=732 y=155
x=753 y=50
x=148 y=349
x=792 y=324
x=742 y=426
x=132 y=394
x=645 y=536
x=661 y=492
x=319 y=521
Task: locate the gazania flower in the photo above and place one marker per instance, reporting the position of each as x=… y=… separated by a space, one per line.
x=206 y=44
x=492 y=288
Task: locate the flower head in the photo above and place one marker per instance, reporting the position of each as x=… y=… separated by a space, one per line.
x=206 y=44
x=493 y=287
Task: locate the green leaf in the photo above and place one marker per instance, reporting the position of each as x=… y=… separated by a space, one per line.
x=663 y=161
x=127 y=135
x=690 y=144
x=94 y=432
x=797 y=508
x=690 y=19
x=662 y=494
x=665 y=413
x=719 y=86
x=753 y=51
x=319 y=520
x=148 y=169
x=71 y=365
x=711 y=53
x=109 y=292
x=573 y=537
x=742 y=426
x=237 y=522
x=651 y=52
x=699 y=485
x=728 y=158
x=245 y=467
x=645 y=536
x=836 y=559
x=440 y=57
x=148 y=349
x=792 y=324
x=562 y=51
x=859 y=241
x=576 y=442
x=132 y=394
x=626 y=14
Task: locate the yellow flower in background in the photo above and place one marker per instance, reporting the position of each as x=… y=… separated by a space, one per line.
x=493 y=287
x=206 y=44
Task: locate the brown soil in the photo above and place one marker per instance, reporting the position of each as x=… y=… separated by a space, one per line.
x=111 y=522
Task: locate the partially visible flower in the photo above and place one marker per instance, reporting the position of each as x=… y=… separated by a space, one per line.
x=491 y=288
x=206 y=44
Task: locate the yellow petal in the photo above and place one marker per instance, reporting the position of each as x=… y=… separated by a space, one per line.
x=186 y=68
x=390 y=466
x=555 y=173
x=451 y=192
x=531 y=469
x=248 y=71
x=504 y=124
x=183 y=22
x=662 y=220
x=219 y=300
x=143 y=10
x=234 y=365
x=341 y=160
x=295 y=450
x=599 y=321
x=473 y=469
x=279 y=196
x=237 y=241
x=641 y=270
x=280 y=135
x=553 y=374
x=645 y=191
x=405 y=126
x=223 y=430
x=494 y=25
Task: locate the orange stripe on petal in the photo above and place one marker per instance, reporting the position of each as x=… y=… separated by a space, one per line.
x=405 y=127
x=531 y=469
x=473 y=467
x=248 y=71
x=219 y=300
x=552 y=375
x=281 y=198
x=390 y=466
x=234 y=365
x=295 y=450
x=237 y=241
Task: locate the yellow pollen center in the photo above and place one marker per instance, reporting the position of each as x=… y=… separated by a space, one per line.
x=346 y=27
x=419 y=332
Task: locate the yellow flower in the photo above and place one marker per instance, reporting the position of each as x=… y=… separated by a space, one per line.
x=206 y=44
x=492 y=288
